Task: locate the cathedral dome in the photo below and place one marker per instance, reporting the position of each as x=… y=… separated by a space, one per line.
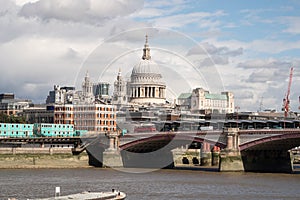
x=146 y=85
x=146 y=70
x=146 y=67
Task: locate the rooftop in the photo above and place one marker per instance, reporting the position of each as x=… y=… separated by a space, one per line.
x=185 y=95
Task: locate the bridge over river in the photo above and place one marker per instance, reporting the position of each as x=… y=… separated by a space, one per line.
x=264 y=150
x=231 y=149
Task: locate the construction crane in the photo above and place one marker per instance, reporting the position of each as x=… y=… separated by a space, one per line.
x=286 y=100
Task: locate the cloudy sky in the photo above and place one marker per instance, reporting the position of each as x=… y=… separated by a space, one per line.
x=246 y=47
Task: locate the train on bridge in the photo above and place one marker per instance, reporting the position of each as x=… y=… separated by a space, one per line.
x=16 y=130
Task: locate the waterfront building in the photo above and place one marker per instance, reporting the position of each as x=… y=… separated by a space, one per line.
x=38 y=114
x=96 y=116
x=60 y=95
x=11 y=106
x=202 y=101
x=84 y=111
x=63 y=113
x=184 y=100
x=7 y=96
x=101 y=90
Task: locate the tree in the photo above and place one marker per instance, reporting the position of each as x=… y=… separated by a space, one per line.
x=4 y=118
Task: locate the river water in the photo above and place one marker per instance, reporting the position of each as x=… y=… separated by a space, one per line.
x=160 y=184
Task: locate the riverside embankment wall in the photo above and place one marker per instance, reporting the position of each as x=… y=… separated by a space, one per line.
x=41 y=158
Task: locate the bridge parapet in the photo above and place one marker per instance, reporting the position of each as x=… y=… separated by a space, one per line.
x=248 y=136
x=232 y=139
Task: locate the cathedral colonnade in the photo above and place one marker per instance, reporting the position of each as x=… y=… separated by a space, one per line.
x=148 y=92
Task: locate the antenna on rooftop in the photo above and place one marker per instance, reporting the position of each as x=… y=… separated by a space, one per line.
x=261 y=104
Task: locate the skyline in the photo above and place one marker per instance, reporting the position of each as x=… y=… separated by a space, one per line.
x=252 y=44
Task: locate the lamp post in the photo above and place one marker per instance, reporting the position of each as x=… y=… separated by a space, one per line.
x=237 y=116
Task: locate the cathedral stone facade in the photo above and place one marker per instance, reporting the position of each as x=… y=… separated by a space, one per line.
x=146 y=85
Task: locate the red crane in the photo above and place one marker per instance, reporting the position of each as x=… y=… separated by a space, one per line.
x=286 y=100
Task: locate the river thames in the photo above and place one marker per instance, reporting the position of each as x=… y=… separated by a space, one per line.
x=155 y=185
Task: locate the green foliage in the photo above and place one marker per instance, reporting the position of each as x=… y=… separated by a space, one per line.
x=4 y=118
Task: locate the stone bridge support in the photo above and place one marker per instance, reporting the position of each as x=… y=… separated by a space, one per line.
x=267 y=161
x=206 y=155
x=112 y=156
x=186 y=157
x=230 y=157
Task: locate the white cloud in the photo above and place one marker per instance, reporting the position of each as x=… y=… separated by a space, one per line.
x=210 y=49
x=273 y=46
x=158 y=8
x=201 y=19
x=265 y=64
x=44 y=42
x=88 y=11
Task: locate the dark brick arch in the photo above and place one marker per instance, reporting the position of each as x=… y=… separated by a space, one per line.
x=276 y=142
x=161 y=140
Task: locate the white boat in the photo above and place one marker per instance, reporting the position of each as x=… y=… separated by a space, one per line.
x=113 y=195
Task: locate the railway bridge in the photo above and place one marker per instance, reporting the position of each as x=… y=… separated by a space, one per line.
x=264 y=150
x=231 y=149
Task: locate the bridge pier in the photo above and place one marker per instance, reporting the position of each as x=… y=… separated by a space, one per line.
x=185 y=157
x=267 y=161
x=230 y=157
x=215 y=156
x=112 y=156
x=206 y=154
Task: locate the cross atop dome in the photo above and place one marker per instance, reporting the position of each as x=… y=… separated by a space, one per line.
x=119 y=77
x=146 y=50
x=146 y=39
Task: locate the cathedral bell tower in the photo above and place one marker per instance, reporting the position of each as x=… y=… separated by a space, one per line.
x=87 y=89
x=120 y=94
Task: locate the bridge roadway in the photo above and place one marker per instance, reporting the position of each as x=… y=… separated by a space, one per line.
x=264 y=150
x=247 y=139
x=148 y=142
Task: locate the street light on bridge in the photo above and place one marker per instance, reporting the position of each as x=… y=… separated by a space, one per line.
x=237 y=115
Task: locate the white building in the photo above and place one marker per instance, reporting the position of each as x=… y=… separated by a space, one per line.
x=202 y=101
x=60 y=95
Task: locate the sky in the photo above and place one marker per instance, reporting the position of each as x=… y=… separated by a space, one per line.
x=246 y=47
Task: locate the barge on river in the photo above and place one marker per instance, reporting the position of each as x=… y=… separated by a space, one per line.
x=113 y=195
